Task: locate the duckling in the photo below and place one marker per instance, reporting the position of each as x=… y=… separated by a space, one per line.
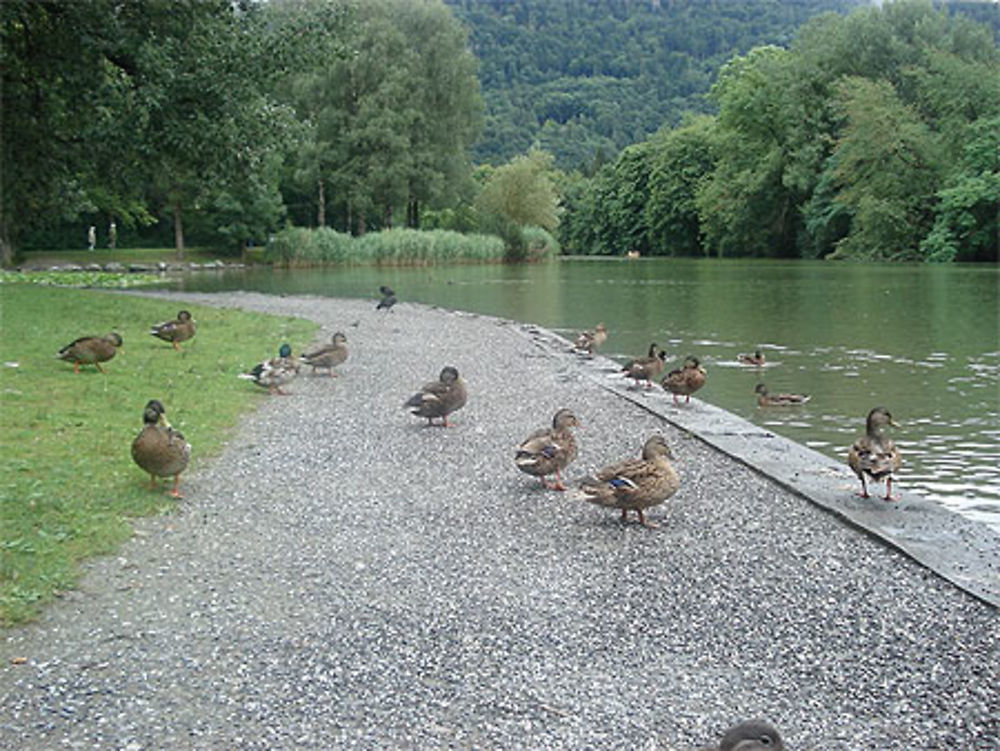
x=636 y=484
x=766 y=399
x=328 y=356
x=589 y=341
x=874 y=454
x=752 y=735
x=90 y=350
x=159 y=449
x=685 y=381
x=179 y=330
x=549 y=450
x=756 y=359
x=388 y=298
x=646 y=368
x=274 y=373
x=439 y=398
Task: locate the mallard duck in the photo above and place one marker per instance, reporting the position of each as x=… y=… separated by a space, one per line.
x=439 y=398
x=875 y=455
x=274 y=373
x=646 y=368
x=388 y=298
x=756 y=359
x=179 y=330
x=547 y=451
x=328 y=356
x=90 y=350
x=685 y=381
x=753 y=735
x=588 y=341
x=636 y=484
x=159 y=449
x=766 y=399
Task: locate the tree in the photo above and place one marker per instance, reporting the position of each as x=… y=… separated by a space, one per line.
x=523 y=192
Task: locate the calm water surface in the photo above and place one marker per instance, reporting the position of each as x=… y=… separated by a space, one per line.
x=922 y=340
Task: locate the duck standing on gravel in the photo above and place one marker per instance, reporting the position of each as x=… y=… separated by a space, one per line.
x=767 y=399
x=90 y=350
x=274 y=373
x=589 y=341
x=874 y=454
x=635 y=484
x=179 y=330
x=328 y=356
x=753 y=735
x=388 y=298
x=159 y=449
x=686 y=380
x=646 y=368
x=439 y=398
x=547 y=451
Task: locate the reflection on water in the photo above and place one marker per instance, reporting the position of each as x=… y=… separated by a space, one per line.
x=921 y=340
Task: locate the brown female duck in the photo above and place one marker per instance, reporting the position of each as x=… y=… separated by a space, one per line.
x=439 y=398
x=547 y=451
x=646 y=368
x=756 y=358
x=874 y=455
x=179 y=330
x=329 y=356
x=636 y=484
x=159 y=449
x=686 y=380
x=90 y=350
x=589 y=341
x=767 y=399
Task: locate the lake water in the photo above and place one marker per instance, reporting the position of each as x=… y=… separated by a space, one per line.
x=923 y=341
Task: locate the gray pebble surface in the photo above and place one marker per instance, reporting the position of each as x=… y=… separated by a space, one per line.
x=344 y=577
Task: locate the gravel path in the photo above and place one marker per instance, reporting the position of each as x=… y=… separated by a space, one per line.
x=344 y=577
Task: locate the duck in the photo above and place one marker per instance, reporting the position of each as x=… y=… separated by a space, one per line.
x=588 y=341
x=179 y=330
x=646 y=368
x=274 y=373
x=547 y=451
x=874 y=455
x=328 y=356
x=756 y=359
x=635 y=484
x=439 y=398
x=686 y=380
x=388 y=298
x=767 y=399
x=90 y=350
x=159 y=449
x=750 y=735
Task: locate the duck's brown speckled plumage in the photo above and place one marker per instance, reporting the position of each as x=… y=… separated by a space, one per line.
x=178 y=330
x=91 y=350
x=646 y=368
x=686 y=380
x=328 y=356
x=159 y=449
x=766 y=399
x=874 y=455
x=438 y=399
x=548 y=451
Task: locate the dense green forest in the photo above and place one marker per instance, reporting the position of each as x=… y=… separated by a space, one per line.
x=583 y=80
x=665 y=126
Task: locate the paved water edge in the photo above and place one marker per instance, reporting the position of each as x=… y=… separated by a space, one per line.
x=345 y=577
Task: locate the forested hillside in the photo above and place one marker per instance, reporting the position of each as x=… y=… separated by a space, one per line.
x=582 y=80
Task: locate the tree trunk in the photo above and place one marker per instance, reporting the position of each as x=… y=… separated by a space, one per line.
x=321 y=205
x=413 y=213
x=361 y=224
x=387 y=216
x=6 y=248
x=178 y=231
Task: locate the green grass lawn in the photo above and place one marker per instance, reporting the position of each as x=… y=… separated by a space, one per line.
x=69 y=486
x=124 y=255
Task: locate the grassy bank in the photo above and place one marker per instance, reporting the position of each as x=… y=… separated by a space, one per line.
x=69 y=485
x=121 y=255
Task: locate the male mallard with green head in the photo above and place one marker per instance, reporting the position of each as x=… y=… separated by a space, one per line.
x=179 y=330
x=686 y=380
x=874 y=454
x=328 y=356
x=438 y=399
x=274 y=373
x=636 y=484
x=159 y=449
x=90 y=350
x=547 y=451
x=767 y=399
x=589 y=341
x=646 y=368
